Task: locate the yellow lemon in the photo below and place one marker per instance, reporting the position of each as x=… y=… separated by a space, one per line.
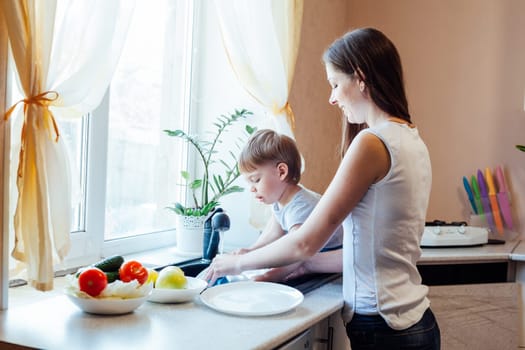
x=171 y=277
x=152 y=276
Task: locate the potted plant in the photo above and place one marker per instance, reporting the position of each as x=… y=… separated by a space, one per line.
x=216 y=181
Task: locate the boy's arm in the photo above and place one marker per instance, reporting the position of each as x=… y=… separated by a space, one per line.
x=271 y=232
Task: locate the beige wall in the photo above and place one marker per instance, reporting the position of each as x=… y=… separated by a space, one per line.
x=318 y=124
x=464 y=64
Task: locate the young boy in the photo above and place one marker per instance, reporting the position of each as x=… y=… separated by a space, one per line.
x=271 y=164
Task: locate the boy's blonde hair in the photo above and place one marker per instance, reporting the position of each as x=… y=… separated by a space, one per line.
x=267 y=146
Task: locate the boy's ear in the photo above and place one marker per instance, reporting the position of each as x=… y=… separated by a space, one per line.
x=282 y=168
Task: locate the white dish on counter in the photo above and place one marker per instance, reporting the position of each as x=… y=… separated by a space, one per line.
x=166 y=296
x=106 y=306
x=248 y=298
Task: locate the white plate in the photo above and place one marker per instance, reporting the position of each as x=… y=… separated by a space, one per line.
x=252 y=298
x=163 y=295
x=107 y=306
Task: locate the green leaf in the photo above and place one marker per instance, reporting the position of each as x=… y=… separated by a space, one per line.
x=233 y=156
x=250 y=129
x=177 y=208
x=226 y=165
x=232 y=189
x=196 y=184
x=175 y=133
x=185 y=175
x=209 y=207
x=217 y=183
x=521 y=147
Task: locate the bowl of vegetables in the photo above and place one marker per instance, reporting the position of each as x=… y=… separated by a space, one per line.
x=111 y=286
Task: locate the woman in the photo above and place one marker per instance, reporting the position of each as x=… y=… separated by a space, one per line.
x=379 y=194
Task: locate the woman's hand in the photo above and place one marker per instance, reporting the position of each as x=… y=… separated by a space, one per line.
x=222 y=265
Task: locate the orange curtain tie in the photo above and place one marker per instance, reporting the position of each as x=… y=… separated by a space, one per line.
x=287 y=109
x=43 y=99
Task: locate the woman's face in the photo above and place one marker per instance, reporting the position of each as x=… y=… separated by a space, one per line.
x=346 y=94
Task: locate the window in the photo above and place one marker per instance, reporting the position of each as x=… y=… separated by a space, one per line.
x=146 y=96
x=123 y=165
x=133 y=180
x=125 y=169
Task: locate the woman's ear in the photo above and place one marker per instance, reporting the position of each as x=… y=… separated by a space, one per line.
x=360 y=74
x=361 y=80
x=282 y=169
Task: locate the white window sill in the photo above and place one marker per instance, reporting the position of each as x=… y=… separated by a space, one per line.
x=24 y=295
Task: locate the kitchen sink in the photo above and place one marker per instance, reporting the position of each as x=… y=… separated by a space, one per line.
x=220 y=222
x=308 y=283
x=191 y=267
x=305 y=284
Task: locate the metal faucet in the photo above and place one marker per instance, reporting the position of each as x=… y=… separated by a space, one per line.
x=214 y=229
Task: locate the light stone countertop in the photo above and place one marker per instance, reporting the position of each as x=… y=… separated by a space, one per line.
x=458 y=255
x=518 y=254
x=56 y=323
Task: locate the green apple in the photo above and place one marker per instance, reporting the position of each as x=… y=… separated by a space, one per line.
x=171 y=277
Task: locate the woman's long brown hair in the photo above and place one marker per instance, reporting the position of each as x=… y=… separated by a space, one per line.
x=368 y=53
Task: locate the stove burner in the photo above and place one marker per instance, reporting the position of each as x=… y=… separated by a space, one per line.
x=444 y=223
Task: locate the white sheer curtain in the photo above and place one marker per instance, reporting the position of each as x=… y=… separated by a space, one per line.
x=261 y=39
x=65 y=53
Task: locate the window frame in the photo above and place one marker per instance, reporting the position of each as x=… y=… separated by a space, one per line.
x=89 y=245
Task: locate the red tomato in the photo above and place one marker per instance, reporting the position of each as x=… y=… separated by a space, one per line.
x=133 y=270
x=92 y=281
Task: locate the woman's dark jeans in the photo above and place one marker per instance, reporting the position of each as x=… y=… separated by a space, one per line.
x=372 y=332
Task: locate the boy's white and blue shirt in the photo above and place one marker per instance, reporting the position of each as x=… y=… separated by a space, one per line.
x=297 y=211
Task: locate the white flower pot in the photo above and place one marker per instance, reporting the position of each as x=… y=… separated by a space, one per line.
x=190 y=234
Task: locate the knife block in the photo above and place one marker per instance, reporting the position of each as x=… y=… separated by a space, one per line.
x=483 y=221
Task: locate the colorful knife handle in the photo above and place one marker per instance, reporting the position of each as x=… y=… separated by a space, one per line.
x=503 y=198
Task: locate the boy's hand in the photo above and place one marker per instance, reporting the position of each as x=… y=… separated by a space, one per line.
x=241 y=251
x=281 y=274
x=222 y=265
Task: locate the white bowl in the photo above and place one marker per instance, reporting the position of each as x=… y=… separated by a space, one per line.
x=166 y=296
x=106 y=306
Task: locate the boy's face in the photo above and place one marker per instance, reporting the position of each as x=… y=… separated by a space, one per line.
x=268 y=182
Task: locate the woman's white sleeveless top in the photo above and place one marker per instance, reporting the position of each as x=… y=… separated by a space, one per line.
x=383 y=232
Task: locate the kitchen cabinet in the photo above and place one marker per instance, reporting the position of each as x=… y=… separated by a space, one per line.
x=474 y=295
x=476 y=316
x=328 y=334
x=303 y=341
x=339 y=339
x=518 y=255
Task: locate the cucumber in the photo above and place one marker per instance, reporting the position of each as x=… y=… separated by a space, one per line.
x=112 y=276
x=110 y=264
